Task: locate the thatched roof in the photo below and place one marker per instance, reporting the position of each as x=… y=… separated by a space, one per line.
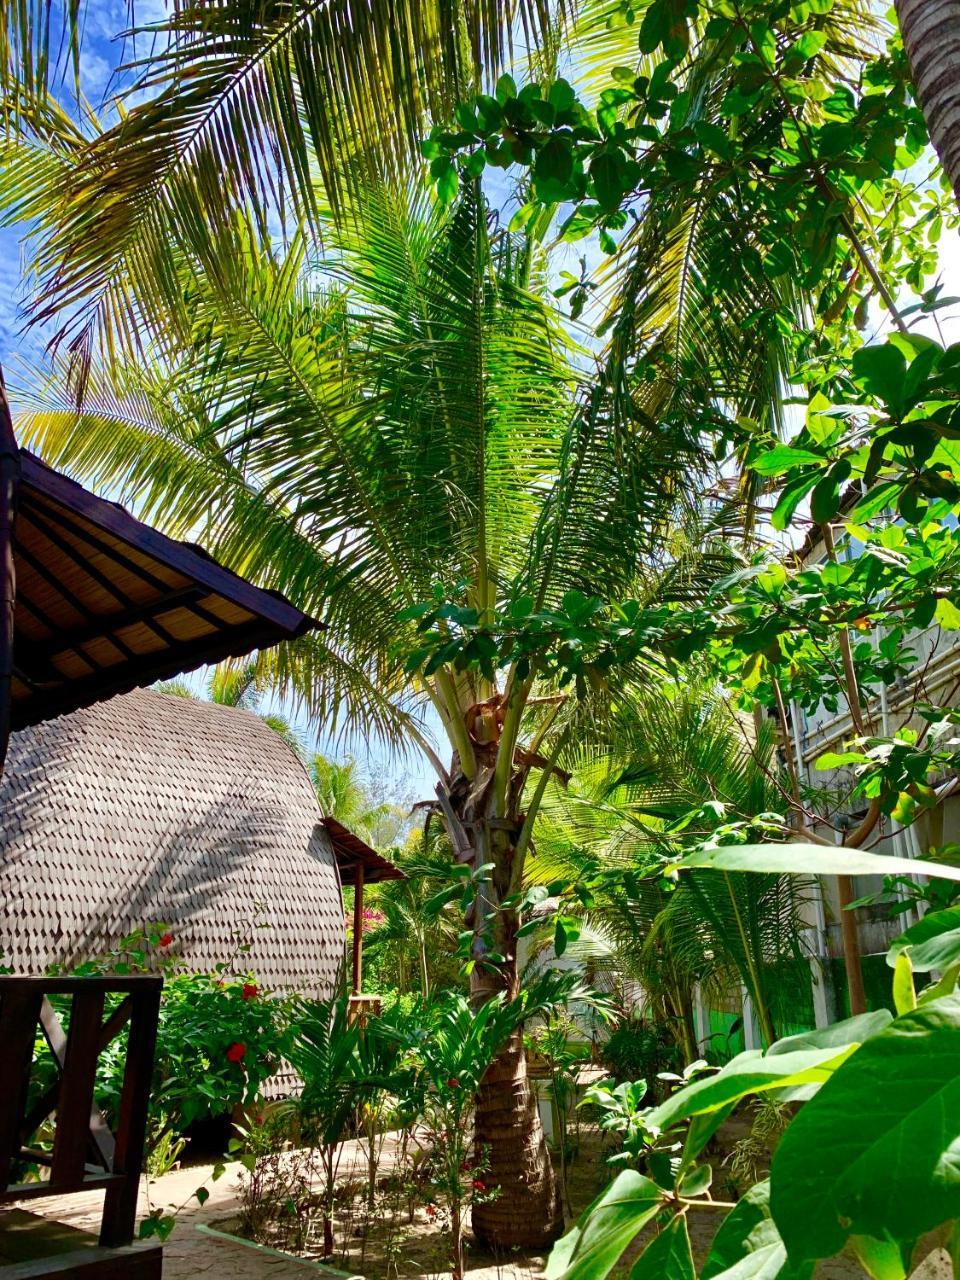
x=150 y=807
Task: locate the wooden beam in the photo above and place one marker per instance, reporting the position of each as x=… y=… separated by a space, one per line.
x=193 y=563
x=75 y=603
x=120 y=1203
x=75 y=1104
x=47 y=1102
x=119 y=621
x=145 y=668
x=145 y=1261
x=9 y=493
x=21 y=1012
x=99 y=1133
x=110 y=550
x=358 y=931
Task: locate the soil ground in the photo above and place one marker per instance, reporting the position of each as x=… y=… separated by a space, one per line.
x=420 y=1251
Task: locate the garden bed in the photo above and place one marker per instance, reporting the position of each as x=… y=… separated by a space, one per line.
x=398 y=1238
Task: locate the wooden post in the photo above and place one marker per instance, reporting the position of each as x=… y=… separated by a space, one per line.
x=120 y=1202
x=358 y=930
x=9 y=487
x=21 y=1012
x=851 y=947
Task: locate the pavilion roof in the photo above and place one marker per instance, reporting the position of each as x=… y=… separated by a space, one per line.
x=352 y=852
x=105 y=604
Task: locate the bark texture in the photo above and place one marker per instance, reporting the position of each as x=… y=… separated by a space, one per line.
x=484 y=822
x=527 y=1213
x=931 y=37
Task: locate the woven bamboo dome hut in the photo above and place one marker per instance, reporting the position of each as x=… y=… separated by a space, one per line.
x=126 y=806
x=150 y=808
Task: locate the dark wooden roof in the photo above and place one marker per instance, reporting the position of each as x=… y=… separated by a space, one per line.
x=105 y=604
x=352 y=852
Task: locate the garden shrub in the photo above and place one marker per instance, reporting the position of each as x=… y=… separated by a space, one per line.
x=220 y=1037
x=638 y=1049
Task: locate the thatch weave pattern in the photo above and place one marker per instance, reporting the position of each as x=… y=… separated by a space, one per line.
x=149 y=807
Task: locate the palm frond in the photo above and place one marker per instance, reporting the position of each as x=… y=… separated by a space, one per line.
x=244 y=105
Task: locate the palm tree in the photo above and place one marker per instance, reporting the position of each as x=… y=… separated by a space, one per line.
x=931 y=37
x=673 y=752
x=272 y=107
x=416 y=937
x=412 y=415
x=344 y=795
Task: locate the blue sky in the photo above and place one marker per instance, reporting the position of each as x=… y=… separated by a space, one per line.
x=103 y=52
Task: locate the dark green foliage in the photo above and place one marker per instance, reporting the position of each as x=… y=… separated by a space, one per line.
x=640 y=1049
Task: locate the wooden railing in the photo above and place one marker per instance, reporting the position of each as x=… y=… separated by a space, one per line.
x=86 y=1155
x=364 y=1007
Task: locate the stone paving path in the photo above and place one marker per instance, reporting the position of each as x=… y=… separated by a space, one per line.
x=190 y=1253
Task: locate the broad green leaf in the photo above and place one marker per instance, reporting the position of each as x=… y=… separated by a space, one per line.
x=701 y=1130
x=783 y=458
x=837 y=1035
x=948 y=615
x=877 y=1151
x=934 y=941
x=881 y=1259
x=882 y=370
x=810 y=44
x=878 y=499
x=839 y=759
x=904 y=992
x=591 y=1249
x=748 y=1245
x=825 y=499
x=697 y=1182
x=668 y=1256
x=793 y=494
x=945 y=987
x=810 y=860
x=506 y=88
x=750 y=1072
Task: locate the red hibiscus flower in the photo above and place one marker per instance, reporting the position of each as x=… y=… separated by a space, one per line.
x=453 y=1083
x=237 y=1052
x=249 y=991
x=165 y=940
x=431 y=1211
x=479 y=1184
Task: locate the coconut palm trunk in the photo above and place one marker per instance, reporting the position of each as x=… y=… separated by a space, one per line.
x=510 y=1138
x=931 y=37
x=483 y=819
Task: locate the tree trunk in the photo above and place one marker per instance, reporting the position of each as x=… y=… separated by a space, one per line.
x=509 y=1139
x=931 y=37
x=508 y=1135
